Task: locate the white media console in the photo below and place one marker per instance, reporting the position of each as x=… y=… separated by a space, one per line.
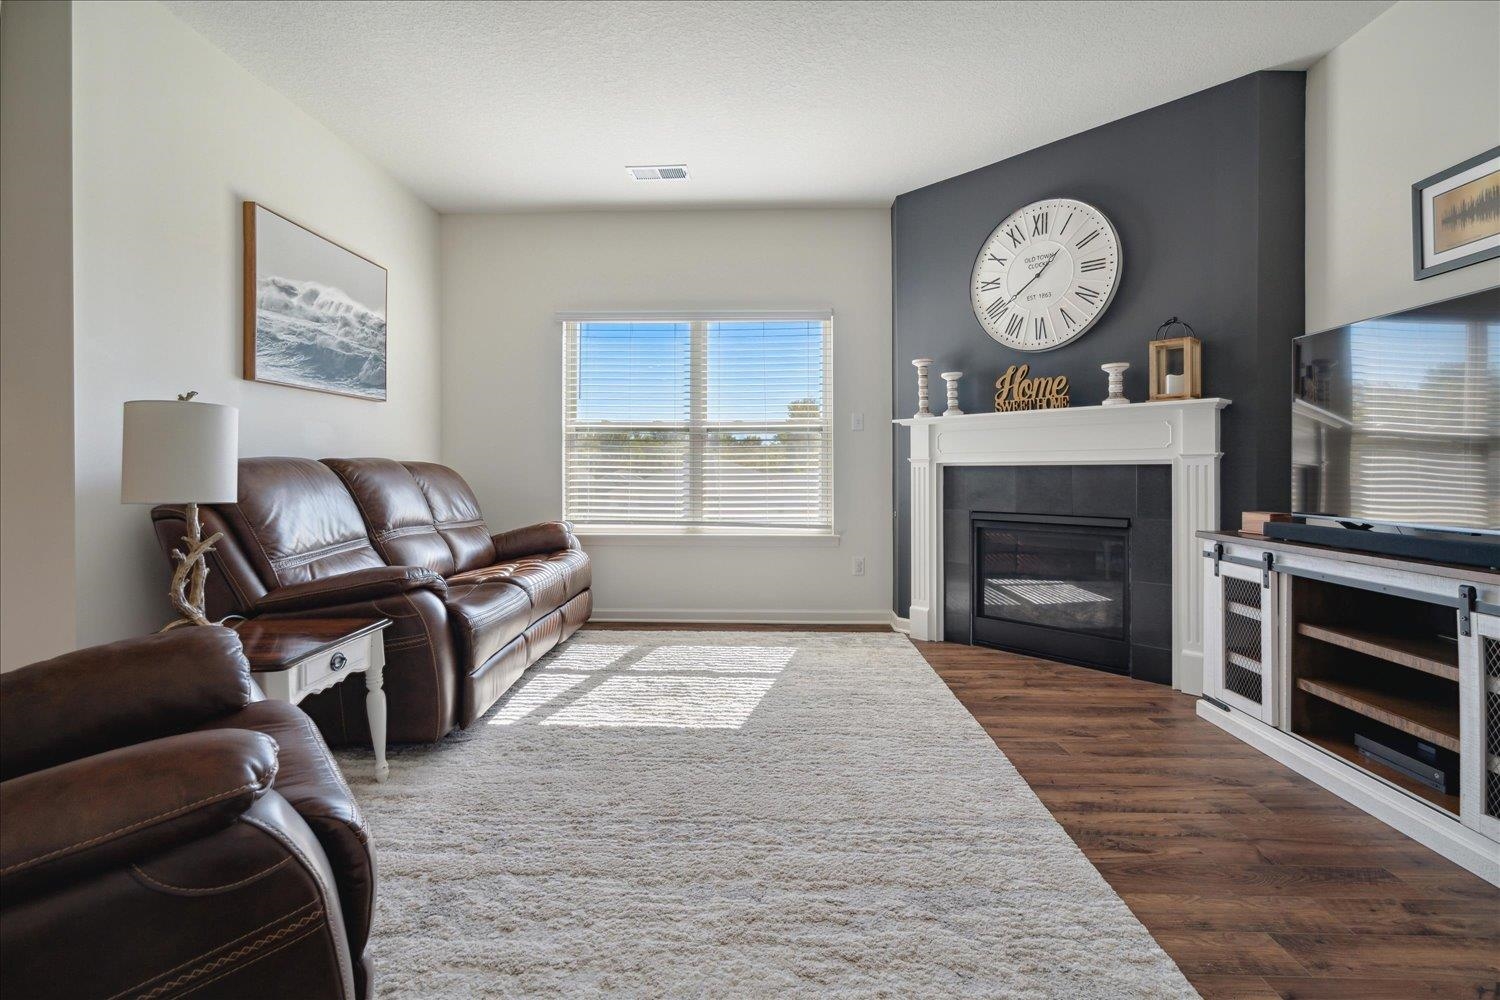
x=1310 y=653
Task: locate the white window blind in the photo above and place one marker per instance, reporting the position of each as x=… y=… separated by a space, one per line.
x=1427 y=409
x=698 y=422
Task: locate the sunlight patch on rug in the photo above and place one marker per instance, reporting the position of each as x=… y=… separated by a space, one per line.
x=720 y=659
x=587 y=656
x=538 y=691
x=681 y=702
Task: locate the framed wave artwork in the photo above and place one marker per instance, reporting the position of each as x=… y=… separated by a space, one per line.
x=314 y=311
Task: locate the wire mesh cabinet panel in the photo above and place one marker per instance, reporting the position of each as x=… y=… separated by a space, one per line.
x=1479 y=726
x=1239 y=639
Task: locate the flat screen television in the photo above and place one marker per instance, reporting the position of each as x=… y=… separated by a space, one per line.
x=1396 y=422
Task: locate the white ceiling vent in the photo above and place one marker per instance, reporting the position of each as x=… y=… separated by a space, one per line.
x=668 y=172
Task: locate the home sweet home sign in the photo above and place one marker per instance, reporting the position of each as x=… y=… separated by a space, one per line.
x=1014 y=391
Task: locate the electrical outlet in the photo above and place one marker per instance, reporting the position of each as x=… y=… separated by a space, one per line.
x=859 y=566
x=856 y=421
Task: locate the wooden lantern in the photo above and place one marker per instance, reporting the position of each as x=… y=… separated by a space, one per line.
x=1176 y=369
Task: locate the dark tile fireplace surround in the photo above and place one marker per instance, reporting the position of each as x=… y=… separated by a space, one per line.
x=1079 y=557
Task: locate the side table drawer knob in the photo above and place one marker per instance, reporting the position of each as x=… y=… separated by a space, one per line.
x=338 y=662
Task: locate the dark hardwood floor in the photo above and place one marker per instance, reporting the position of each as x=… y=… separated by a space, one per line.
x=1257 y=882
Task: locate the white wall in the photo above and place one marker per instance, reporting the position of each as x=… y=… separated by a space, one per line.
x=504 y=278
x=37 y=579
x=169 y=137
x=1415 y=92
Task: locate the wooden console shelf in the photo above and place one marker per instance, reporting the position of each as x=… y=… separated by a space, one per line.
x=1435 y=723
x=1311 y=652
x=1243 y=610
x=1347 y=750
x=1243 y=662
x=1429 y=655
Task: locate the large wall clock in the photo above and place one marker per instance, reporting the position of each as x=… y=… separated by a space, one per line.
x=1046 y=274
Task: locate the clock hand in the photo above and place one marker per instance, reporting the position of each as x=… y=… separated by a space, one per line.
x=1033 y=278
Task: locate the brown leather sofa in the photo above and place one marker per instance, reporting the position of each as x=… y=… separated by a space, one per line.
x=470 y=611
x=167 y=832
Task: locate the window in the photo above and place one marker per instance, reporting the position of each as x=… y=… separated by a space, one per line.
x=704 y=423
x=1423 y=446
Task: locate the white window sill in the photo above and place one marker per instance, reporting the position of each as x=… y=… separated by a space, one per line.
x=612 y=535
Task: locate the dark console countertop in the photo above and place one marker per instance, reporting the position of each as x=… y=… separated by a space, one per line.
x=1427 y=566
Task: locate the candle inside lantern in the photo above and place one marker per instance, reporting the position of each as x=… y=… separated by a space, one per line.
x=1174 y=385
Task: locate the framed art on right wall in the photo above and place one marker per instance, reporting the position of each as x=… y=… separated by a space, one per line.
x=1455 y=216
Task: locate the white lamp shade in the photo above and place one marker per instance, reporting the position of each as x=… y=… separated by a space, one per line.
x=180 y=452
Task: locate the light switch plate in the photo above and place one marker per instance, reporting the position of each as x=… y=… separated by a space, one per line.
x=856 y=421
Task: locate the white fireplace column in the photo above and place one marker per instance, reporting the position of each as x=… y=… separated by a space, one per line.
x=1181 y=433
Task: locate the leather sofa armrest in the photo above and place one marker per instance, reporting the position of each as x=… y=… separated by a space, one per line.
x=95 y=814
x=350 y=588
x=104 y=697
x=548 y=536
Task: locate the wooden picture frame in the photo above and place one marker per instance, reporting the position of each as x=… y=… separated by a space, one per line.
x=1455 y=216
x=310 y=314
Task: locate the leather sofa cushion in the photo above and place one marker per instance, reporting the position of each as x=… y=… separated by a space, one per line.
x=486 y=615
x=396 y=512
x=298 y=522
x=310 y=780
x=248 y=911
x=87 y=816
x=550 y=580
x=418 y=513
x=105 y=697
x=455 y=513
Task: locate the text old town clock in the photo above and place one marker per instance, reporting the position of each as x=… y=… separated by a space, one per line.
x=1046 y=274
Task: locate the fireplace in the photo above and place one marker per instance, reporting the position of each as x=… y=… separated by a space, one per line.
x=1070 y=563
x=1054 y=586
x=1155 y=464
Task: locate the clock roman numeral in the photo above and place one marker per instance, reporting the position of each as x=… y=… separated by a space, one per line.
x=1015 y=236
x=1039 y=224
x=1014 y=326
x=991 y=285
x=1087 y=239
x=1087 y=294
x=998 y=260
x=1097 y=264
x=1065 y=223
x=1040 y=327
x=996 y=309
x=1068 y=319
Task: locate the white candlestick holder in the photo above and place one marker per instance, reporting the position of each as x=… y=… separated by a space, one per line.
x=952 y=379
x=1116 y=370
x=921 y=365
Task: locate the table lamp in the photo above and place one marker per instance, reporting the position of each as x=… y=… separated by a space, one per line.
x=179 y=451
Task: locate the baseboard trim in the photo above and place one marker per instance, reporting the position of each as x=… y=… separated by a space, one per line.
x=742 y=617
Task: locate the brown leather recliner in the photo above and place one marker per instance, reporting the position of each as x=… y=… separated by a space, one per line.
x=351 y=537
x=166 y=832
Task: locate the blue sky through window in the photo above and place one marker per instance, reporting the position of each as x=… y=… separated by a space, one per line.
x=634 y=372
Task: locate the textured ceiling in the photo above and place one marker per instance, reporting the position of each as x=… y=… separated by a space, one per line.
x=512 y=106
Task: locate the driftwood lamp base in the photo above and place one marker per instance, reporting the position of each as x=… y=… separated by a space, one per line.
x=190 y=577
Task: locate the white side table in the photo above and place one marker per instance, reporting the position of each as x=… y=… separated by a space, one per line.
x=292 y=658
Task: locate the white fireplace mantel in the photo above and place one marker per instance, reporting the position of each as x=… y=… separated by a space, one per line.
x=1181 y=433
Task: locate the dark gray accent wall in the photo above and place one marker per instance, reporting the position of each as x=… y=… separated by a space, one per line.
x=1207 y=195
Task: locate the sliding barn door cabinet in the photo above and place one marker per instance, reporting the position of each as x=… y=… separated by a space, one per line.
x=1376 y=677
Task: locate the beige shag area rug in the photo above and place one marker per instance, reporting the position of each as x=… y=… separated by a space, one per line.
x=735 y=814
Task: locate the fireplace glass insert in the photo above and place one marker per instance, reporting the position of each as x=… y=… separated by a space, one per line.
x=1053 y=586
